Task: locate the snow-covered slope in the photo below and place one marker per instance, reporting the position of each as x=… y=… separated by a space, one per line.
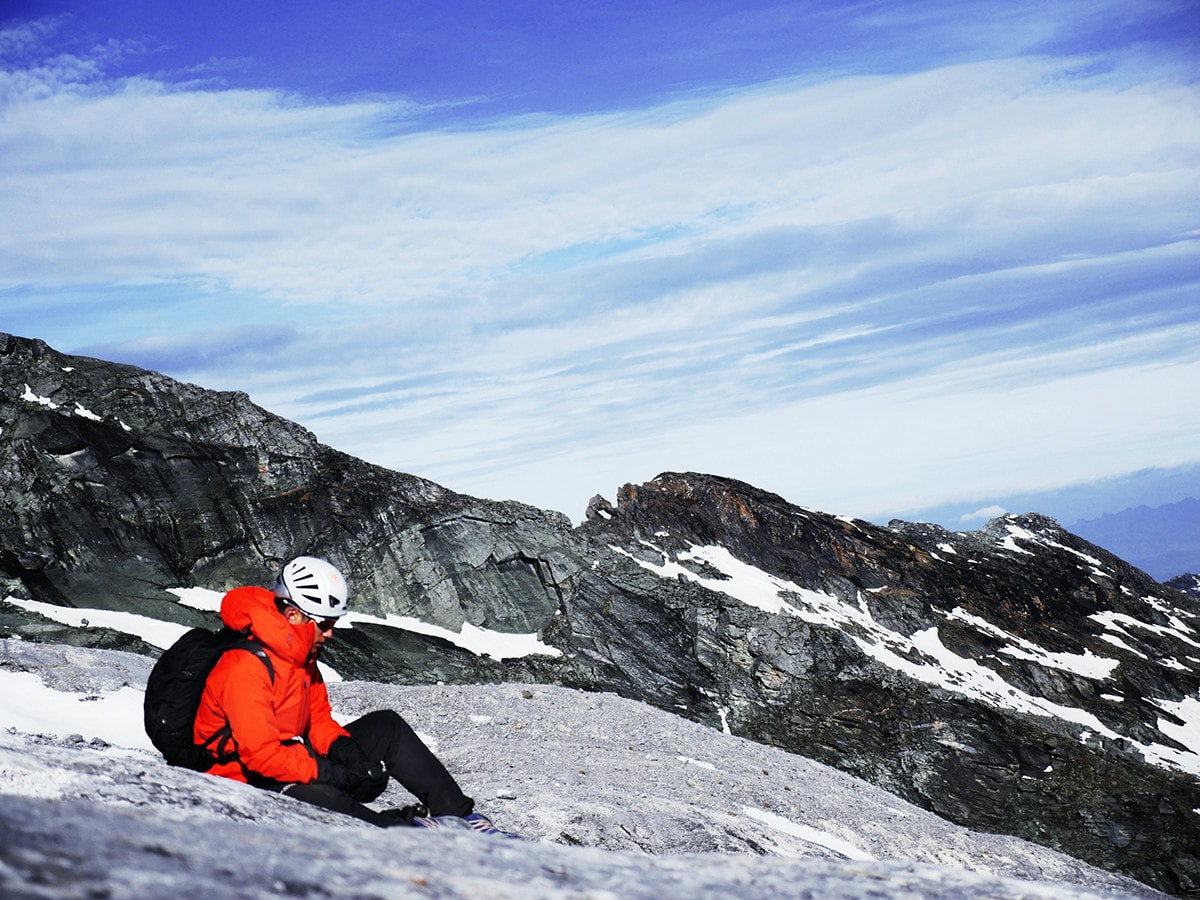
x=617 y=800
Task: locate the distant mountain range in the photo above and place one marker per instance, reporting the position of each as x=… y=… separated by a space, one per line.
x=1163 y=541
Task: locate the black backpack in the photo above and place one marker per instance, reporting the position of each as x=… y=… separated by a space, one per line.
x=173 y=693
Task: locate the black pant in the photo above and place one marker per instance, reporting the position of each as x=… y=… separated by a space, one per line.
x=384 y=735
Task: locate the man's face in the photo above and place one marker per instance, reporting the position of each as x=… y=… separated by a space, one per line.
x=323 y=629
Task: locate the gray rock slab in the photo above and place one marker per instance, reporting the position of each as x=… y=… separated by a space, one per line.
x=614 y=798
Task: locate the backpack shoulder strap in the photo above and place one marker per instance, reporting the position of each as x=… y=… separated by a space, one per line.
x=221 y=744
x=238 y=640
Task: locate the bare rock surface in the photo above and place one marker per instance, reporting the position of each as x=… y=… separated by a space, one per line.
x=613 y=797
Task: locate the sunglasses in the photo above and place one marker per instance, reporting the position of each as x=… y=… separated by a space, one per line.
x=323 y=625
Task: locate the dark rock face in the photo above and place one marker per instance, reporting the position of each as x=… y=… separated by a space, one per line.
x=1014 y=679
x=1187 y=584
x=117 y=483
x=929 y=663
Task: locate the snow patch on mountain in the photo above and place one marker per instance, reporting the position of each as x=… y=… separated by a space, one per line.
x=922 y=655
x=1086 y=664
x=1122 y=623
x=153 y=631
x=30 y=397
x=1033 y=537
x=808 y=834
x=31 y=706
x=480 y=641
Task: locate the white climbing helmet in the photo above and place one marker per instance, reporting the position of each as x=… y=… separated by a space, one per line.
x=314 y=587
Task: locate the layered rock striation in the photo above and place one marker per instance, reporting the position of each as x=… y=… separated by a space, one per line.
x=117 y=483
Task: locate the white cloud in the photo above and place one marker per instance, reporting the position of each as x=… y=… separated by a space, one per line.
x=312 y=203
x=866 y=453
x=982 y=515
x=839 y=290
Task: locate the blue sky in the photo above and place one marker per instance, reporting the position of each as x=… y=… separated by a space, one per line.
x=919 y=259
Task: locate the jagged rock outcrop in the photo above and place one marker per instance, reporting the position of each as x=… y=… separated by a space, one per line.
x=1014 y=679
x=1188 y=583
x=116 y=483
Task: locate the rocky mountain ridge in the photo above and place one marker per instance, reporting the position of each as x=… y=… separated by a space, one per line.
x=1188 y=583
x=1016 y=679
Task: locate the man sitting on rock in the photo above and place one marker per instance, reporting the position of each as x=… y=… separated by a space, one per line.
x=281 y=728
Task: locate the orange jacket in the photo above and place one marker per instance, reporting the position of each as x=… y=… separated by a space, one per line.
x=263 y=716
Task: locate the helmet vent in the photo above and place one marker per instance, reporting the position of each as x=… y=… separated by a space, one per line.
x=314 y=586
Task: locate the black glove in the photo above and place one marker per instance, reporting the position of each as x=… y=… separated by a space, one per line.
x=335 y=775
x=405 y=815
x=345 y=752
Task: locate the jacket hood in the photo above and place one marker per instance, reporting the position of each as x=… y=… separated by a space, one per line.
x=254 y=608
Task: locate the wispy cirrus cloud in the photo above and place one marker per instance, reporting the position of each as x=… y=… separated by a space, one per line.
x=551 y=286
